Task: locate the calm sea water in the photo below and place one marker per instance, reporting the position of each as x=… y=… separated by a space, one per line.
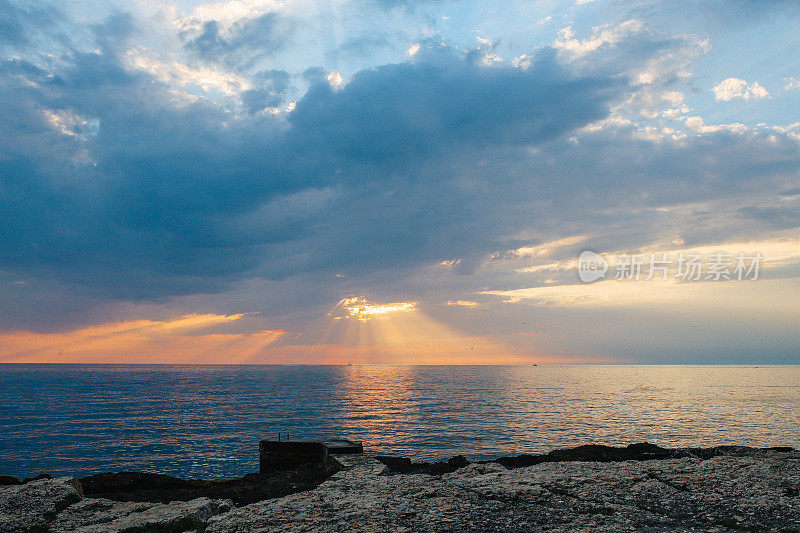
x=206 y=421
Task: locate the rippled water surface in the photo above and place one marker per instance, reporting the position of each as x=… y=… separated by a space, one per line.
x=206 y=421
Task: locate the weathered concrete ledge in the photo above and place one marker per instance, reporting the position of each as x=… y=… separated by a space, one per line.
x=282 y=455
x=714 y=489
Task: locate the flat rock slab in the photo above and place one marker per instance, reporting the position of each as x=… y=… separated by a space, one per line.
x=106 y=516
x=343 y=446
x=725 y=493
x=355 y=466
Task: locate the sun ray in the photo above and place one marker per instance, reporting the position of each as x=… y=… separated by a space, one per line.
x=399 y=332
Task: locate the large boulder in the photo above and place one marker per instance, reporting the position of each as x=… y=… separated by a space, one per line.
x=31 y=506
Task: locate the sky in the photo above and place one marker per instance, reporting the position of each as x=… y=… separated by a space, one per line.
x=396 y=181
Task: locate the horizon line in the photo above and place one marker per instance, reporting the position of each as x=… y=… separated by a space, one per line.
x=400 y=364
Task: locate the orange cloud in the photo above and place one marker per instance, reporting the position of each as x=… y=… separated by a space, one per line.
x=139 y=341
x=463 y=303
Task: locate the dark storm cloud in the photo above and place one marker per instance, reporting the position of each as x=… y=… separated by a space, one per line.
x=271 y=90
x=144 y=194
x=243 y=43
x=112 y=183
x=416 y=110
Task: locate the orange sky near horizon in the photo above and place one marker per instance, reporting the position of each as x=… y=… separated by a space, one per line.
x=365 y=334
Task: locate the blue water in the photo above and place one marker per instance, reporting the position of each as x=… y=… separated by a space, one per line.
x=206 y=421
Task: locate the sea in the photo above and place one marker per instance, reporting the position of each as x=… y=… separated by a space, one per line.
x=206 y=421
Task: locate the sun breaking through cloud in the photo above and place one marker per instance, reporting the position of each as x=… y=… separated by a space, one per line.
x=362 y=309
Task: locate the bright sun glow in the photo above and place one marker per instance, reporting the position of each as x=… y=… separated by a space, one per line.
x=362 y=309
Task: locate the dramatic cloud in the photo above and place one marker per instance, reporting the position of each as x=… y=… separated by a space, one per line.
x=126 y=189
x=233 y=157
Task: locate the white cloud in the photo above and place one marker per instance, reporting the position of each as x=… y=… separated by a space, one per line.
x=651 y=103
x=524 y=62
x=601 y=35
x=463 y=303
x=697 y=124
x=652 y=60
x=227 y=12
x=613 y=121
x=792 y=83
x=486 y=49
x=71 y=124
x=737 y=88
x=547 y=248
x=335 y=79
x=676 y=112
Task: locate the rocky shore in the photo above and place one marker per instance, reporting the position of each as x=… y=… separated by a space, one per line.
x=591 y=488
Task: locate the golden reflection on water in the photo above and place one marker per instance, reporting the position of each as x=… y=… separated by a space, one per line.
x=378 y=398
x=205 y=421
x=491 y=409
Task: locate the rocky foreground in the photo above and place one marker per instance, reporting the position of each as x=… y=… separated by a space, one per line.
x=719 y=489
